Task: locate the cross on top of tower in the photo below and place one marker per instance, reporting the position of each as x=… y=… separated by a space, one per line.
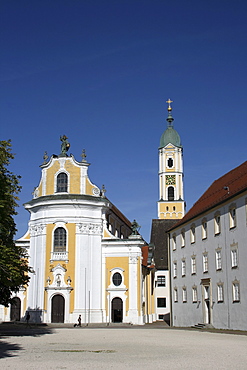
x=169 y=119
x=169 y=101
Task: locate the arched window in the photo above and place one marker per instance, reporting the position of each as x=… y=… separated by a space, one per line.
x=170 y=193
x=60 y=239
x=170 y=162
x=62 y=182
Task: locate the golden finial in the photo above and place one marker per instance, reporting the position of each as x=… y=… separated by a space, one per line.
x=83 y=155
x=169 y=101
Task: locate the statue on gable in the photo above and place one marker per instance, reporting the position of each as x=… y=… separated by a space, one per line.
x=135 y=227
x=65 y=145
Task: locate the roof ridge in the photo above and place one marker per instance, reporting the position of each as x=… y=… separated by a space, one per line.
x=233 y=181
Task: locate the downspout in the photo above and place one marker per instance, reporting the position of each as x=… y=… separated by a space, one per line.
x=147 y=310
x=227 y=275
x=170 y=278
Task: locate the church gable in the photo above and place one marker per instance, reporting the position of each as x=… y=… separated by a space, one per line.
x=65 y=175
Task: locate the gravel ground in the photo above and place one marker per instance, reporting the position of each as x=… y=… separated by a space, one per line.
x=122 y=348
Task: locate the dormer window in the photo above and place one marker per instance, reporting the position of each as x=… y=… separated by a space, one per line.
x=217 y=224
x=192 y=234
x=62 y=183
x=232 y=214
x=204 y=229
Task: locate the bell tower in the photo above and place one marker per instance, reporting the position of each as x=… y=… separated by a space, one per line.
x=171 y=203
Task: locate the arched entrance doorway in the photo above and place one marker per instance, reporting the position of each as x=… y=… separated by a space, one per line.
x=57 y=308
x=117 y=310
x=15 y=309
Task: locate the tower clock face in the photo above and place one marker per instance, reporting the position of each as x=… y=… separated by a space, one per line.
x=170 y=180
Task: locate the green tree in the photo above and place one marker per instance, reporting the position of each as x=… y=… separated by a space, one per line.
x=13 y=259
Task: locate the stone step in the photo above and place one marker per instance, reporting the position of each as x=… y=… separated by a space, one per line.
x=199 y=326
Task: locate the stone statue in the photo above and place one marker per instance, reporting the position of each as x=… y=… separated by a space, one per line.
x=65 y=144
x=135 y=227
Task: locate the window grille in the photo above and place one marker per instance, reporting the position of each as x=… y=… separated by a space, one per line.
x=60 y=240
x=62 y=182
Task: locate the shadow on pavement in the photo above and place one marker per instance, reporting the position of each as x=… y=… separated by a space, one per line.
x=18 y=330
x=8 y=349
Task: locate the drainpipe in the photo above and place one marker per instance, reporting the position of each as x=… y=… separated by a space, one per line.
x=85 y=295
x=170 y=282
x=147 y=299
x=227 y=275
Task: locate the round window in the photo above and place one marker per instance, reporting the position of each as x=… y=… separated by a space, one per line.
x=117 y=279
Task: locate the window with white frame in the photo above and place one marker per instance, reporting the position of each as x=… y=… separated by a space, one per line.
x=117 y=279
x=174 y=242
x=182 y=238
x=161 y=280
x=234 y=258
x=183 y=267
x=235 y=291
x=175 y=269
x=232 y=217
x=60 y=240
x=170 y=191
x=220 y=293
x=204 y=229
x=192 y=234
x=161 y=302
x=217 y=224
x=218 y=259
x=205 y=262
x=194 y=294
x=62 y=182
x=184 y=294
x=175 y=294
x=193 y=265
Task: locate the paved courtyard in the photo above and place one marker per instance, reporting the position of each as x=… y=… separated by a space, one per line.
x=119 y=348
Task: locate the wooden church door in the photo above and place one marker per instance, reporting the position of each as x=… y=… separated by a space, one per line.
x=15 y=310
x=117 y=310
x=57 y=308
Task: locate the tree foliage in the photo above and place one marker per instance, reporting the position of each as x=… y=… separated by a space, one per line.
x=13 y=259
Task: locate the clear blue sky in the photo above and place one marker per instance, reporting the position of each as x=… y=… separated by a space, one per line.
x=100 y=71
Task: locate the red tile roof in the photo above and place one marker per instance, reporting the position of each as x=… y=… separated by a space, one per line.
x=145 y=255
x=145 y=249
x=226 y=187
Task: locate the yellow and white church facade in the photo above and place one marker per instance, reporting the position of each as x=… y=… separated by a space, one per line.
x=87 y=257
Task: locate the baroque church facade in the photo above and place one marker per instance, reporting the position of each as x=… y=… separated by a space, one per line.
x=86 y=255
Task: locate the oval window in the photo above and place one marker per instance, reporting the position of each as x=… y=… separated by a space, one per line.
x=117 y=279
